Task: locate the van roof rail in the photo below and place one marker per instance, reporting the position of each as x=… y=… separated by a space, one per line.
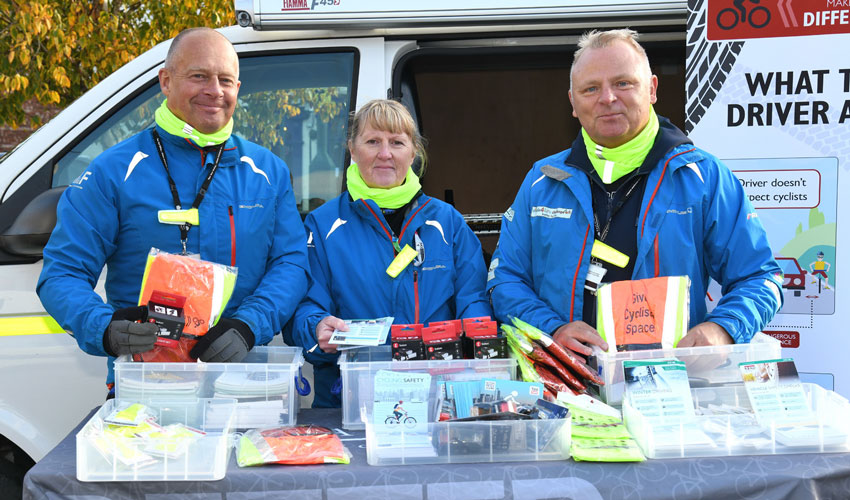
x=371 y=14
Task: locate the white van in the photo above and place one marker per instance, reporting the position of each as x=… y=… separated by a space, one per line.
x=487 y=85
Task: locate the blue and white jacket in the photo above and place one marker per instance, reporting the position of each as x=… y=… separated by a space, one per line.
x=350 y=247
x=108 y=216
x=695 y=220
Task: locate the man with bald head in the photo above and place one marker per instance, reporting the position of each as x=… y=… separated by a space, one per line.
x=185 y=186
x=636 y=183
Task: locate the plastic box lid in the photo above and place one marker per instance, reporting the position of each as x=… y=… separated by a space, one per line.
x=739 y=433
x=707 y=365
x=204 y=460
x=264 y=383
x=359 y=366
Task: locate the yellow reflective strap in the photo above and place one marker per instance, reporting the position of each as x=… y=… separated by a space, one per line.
x=401 y=261
x=179 y=216
x=29 y=325
x=608 y=254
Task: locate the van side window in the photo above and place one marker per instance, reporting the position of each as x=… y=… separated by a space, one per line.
x=296 y=105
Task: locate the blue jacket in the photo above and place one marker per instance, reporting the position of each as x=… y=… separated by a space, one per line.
x=350 y=248
x=108 y=216
x=694 y=220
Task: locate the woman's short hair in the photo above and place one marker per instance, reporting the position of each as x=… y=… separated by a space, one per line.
x=389 y=116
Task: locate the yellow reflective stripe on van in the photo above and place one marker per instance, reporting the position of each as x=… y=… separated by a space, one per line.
x=29 y=325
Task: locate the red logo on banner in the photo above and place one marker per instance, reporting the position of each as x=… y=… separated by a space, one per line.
x=742 y=19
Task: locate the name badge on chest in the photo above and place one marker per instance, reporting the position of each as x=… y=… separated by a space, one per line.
x=595 y=273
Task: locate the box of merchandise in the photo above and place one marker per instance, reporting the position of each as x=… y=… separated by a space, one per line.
x=128 y=440
x=418 y=418
x=707 y=365
x=468 y=442
x=358 y=368
x=724 y=423
x=265 y=384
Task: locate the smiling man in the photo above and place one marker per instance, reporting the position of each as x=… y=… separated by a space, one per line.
x=635 y=182
x=231 y=200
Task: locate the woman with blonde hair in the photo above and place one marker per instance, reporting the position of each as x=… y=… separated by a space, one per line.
x=357 y=243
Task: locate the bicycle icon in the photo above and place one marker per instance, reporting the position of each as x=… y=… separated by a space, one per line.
x=758 y=17
x=400 y=419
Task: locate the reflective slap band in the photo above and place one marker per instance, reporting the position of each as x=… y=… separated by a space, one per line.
x=608 y=254
x=179 y=216
x=401 y=261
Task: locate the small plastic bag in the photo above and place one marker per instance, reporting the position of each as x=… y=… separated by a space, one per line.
x=300 y=445
x=170 y=441
x=128 y=414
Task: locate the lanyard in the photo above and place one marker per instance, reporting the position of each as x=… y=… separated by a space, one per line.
x=184 y=228
x=600 y=235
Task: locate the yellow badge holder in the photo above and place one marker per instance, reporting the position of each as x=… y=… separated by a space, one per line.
x=401 y=261
x=179 y=217
x=608 y=254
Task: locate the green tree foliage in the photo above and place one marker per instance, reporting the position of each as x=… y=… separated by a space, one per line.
x=52 y=51
x=799 y=229
x=816 y=218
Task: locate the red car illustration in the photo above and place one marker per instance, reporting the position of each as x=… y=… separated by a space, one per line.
x=795 y=276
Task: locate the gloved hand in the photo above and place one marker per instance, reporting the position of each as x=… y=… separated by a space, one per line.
x=227 y=342
x=124 y=336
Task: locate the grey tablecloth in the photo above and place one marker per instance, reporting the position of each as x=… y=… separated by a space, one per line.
x=821 y=476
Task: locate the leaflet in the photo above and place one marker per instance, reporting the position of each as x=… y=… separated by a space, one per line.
x=363 y=332
x=659 y=388
x=400 y=414
x=776 y=393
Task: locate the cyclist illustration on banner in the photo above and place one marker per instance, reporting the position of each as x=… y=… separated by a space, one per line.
x=757 y=17
x=819 y=268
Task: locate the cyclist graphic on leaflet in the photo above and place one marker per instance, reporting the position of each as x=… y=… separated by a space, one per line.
x=820 y=267
x=398 y=411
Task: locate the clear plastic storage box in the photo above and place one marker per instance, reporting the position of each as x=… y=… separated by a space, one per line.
x=359 y=366
x=103 y=457
x=739 y=433
x=264 y=384
x=468 y=442
x=707 y=365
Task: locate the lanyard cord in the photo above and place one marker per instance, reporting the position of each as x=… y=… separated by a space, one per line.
x=393 y=240
x=184 y=228
x=600 y=235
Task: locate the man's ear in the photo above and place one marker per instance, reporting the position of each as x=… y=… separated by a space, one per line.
x=653 y=89
x=164 y=81
x=572 y=105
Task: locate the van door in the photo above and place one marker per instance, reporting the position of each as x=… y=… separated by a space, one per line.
x=294 y=99
x=491 y=107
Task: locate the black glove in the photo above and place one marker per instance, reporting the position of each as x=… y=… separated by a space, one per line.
x=124 y=336
x=227 y=342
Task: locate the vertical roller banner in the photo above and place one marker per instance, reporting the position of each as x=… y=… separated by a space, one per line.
x=768 y=92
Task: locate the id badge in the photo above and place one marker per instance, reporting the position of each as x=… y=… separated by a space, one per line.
x=595 y=273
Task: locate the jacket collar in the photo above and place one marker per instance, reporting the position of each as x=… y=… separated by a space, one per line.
x=229 y=157
x=371 y=213
x=669 y=137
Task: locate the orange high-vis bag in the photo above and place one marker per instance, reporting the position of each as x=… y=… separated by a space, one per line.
x=205 y=286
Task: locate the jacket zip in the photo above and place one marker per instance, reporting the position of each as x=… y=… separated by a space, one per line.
x=232 y=236
x=396 y=242
x=415 y=297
